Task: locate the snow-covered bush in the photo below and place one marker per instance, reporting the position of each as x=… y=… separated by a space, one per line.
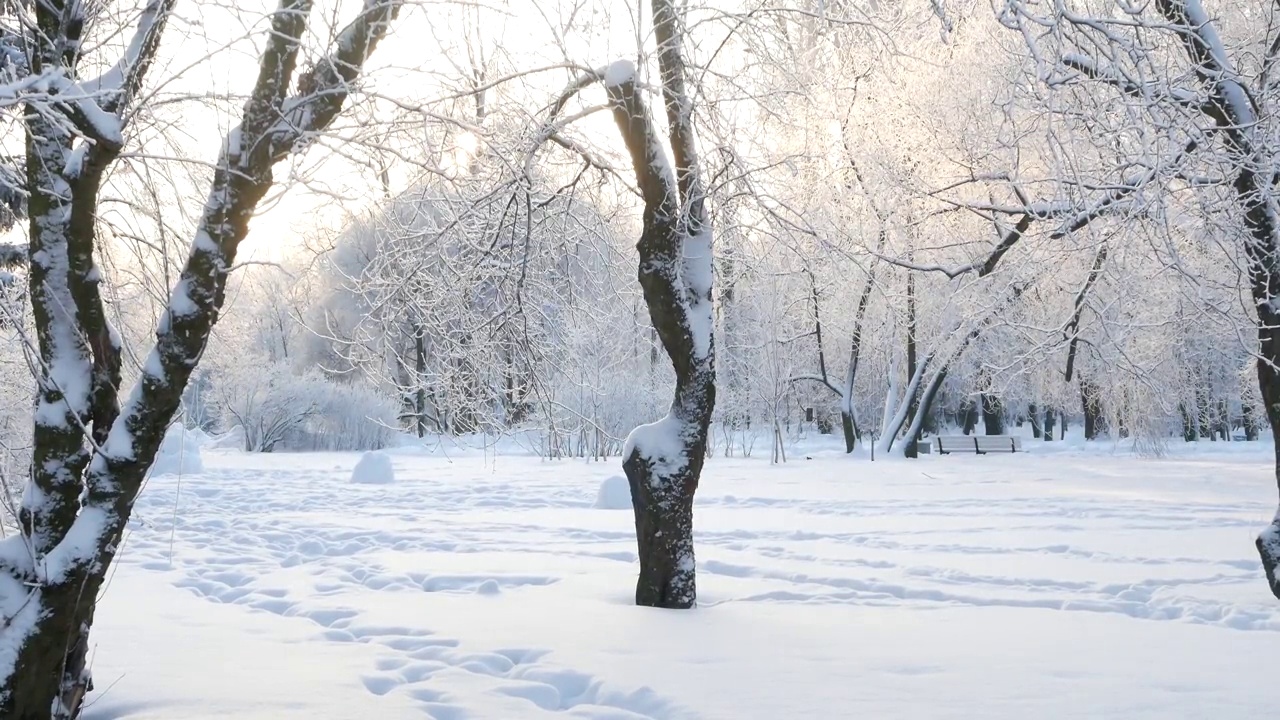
x=278 y=409
x=374 y=468
x=267 y=401
x=346 y=418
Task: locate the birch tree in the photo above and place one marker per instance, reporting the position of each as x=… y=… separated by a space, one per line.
x=92 y=452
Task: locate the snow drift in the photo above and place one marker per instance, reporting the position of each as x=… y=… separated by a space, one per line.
x=614 y=494
x=374 y=468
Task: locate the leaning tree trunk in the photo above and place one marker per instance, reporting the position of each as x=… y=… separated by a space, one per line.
x=663 y=460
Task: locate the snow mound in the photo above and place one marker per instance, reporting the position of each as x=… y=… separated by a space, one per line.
x=374 y=468
x=179 y=452
x=614 y=494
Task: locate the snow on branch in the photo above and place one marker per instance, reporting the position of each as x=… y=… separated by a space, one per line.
x=323 y=89
x=1072 y=218
x=117 y=84
x=671 y=67
x=1086 y=66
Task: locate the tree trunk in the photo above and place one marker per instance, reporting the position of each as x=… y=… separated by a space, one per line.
x=663 y=460
x=1048 y=424
x=1033 y=414
x=1190 y=429
x=992 y=415
x=1268 y=542
x=1250 y=422
x=850 y=430
x=80 y=498
x=1092 y=406
x=969 y=411
x=420 y=368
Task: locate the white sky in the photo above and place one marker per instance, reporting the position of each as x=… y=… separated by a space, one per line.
x=417 y=63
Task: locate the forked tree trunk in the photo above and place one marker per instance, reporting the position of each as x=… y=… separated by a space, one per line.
x=80 y=495
x=663 y=460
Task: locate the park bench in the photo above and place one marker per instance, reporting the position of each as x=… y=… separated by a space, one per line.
x=980 y=444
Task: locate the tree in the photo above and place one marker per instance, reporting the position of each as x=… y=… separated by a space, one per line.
x=1168 y=63
x=663 y=460
x=91 y=453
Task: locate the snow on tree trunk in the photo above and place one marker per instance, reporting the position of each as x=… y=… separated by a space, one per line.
x=663 y=460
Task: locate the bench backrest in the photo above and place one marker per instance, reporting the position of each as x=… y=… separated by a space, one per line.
x=979 y=443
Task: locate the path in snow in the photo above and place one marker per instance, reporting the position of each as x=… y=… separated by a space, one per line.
x=830 y=588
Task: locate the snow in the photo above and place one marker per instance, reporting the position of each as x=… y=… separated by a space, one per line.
x=661 y=443
x=1067 y=582
x=179 y=452
x=374 y=468
x=180 y=302
x=1229 y=85
x=20 y=607
x=106 y=125
x=614 y=494
x=79 y=547
x=620 y=72
x=697 y=272
x=233 y=439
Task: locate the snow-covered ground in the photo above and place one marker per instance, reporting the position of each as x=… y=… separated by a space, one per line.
x=1047 y=585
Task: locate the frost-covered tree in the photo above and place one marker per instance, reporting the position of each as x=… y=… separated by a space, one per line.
x=1189 y=93
x=90 y=451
